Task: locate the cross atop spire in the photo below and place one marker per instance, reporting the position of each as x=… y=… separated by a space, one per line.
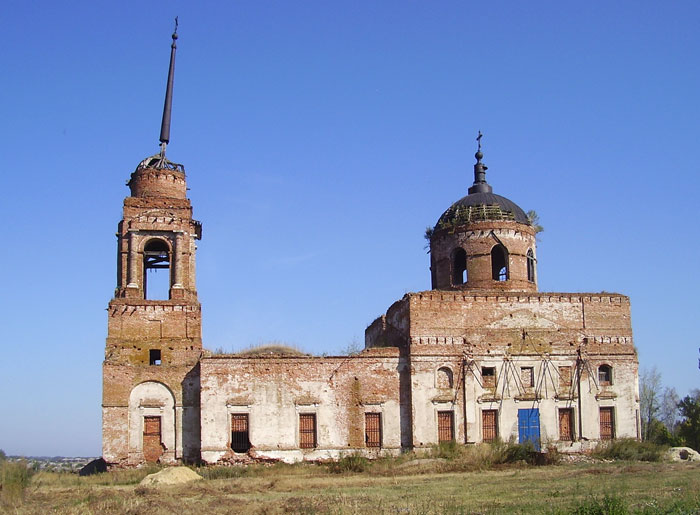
x=480 y=185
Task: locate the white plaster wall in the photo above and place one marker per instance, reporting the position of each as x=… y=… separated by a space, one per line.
x=428 y=399
x=152 y=399
x=623 y=397
x=274 y=402
x=115 y=443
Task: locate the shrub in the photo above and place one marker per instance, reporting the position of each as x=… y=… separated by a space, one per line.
x=14 y=478
x=609 y=504
x=629 y=449
x=515 y=452
x=351 y=463
x=446 y=450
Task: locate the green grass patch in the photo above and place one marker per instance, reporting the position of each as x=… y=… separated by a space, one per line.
x=350 y=463
x=14 y=478
x=630 y=450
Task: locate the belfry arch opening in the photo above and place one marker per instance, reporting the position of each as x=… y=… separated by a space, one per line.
x=530 y=266
x=156 y=270
x=459 y=267
x=499 y=263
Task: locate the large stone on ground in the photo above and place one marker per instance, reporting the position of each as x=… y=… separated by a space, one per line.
x=682 y=454
x=171 y=476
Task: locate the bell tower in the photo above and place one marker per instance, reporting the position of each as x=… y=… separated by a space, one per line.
x=483 y=241
x=150 y=407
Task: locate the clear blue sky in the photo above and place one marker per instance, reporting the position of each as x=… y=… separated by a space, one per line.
x=320 y=139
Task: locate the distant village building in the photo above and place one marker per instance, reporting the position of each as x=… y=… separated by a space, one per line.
x=483 y=355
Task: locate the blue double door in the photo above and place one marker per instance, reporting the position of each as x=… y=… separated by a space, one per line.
x=529 y=426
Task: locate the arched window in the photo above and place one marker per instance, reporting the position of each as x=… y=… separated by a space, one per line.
x=499 y=263
x=530 y=266
x=156 y=270
x=605 y=375
x=444 y=378
x=459 y=267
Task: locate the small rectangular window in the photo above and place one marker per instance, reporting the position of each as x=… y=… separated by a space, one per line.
x=373 y=429
x=489 y=424
x=307 y=430
x=564 y=376
x=488 y=377
x=527 y=376
x=154 y=357
x=240 y=441
x=445 y=426
x=566 y=424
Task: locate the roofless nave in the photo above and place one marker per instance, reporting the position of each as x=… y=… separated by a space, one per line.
x=483 y=355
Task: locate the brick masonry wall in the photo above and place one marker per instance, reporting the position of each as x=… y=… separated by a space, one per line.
x=508 y=331
x=477 y=239
x=275 y=390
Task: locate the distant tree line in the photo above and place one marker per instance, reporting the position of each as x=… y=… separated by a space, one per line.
x=666 y=418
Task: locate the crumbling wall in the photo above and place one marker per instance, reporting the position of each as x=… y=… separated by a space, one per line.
x=544 y=333
x=275 y=390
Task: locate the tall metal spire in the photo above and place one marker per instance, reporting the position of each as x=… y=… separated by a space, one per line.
x=480 y=185
x=168 y=105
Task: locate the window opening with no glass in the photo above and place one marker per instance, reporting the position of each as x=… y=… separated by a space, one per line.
x=156 y=270
x=499 y=263
x=154 y=357
x=459 y=267
x=240 y=441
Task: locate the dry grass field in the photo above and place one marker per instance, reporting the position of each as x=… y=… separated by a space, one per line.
x=393 y=486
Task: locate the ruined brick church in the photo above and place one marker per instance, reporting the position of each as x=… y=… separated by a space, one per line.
x=483 y=355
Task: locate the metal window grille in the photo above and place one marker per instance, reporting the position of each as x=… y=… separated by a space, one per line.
x=489 y=423
x=307 y=430
x=445 y=426
x=240 y=441
x=566 y=424
x=607 y=424
x=373 y=429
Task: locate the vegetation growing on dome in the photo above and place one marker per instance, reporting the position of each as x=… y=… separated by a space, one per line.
x=534 y=220
x=461 y=215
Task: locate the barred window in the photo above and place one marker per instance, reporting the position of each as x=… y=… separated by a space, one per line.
x=489 y=424
x=373 y=429
x=445 y=426
x=307 y=430
x=239 y=432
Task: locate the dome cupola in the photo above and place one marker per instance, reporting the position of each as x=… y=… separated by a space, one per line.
x=483 y=241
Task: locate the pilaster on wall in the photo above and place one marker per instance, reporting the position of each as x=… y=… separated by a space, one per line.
x=153 y=345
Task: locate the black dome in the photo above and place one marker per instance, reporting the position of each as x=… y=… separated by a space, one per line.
x=481 y=206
